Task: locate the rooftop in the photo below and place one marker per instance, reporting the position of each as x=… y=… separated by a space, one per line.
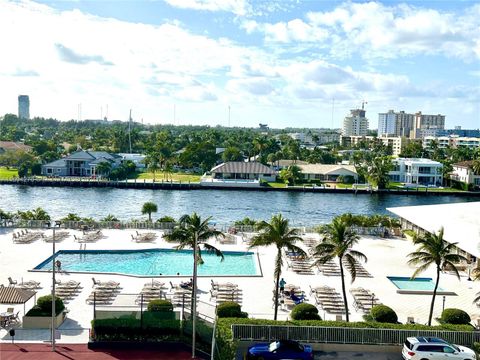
x=460 y=222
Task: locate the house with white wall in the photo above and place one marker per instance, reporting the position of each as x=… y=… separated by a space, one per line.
x=327 y=172
x=463 y=172
x=416 y=171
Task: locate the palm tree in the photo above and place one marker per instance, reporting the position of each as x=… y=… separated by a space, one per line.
x=148 y=208
x=194 y=233
x=338 y=240
x=104 y=168
x=277 y=233
x=434 y=250
x=476 y=167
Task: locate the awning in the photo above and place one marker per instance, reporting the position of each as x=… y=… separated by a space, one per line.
x=14 y=295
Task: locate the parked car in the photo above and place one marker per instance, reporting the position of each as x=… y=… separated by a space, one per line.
x=431 y=348
x=280 y=350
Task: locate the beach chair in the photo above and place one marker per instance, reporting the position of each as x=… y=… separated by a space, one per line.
x=11 y=282
x=105 y=284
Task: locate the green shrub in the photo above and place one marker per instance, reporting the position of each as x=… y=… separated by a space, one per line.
x=44 y=306
x=230 y=309
x=305 y=311
x=131 y=330
x=160 y=306
x=455 y=316
x=384 y=314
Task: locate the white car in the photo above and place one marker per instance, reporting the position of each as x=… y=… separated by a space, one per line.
x=430 y=348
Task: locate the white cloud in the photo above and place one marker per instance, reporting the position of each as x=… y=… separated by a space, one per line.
x=375 y=30
x=237 y=7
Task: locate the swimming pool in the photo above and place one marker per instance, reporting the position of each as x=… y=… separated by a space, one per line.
x=406 y=285
x=153 y=262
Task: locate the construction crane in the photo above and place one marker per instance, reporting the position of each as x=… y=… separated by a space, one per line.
x=363 y=104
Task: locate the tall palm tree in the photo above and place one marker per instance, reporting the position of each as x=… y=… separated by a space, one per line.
x=338 y=240
x=434 y=250
x=148 y=208
x=194 y=233
x=278 y=234
x=476 y=166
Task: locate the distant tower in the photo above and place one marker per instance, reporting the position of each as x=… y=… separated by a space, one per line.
x=23 y=107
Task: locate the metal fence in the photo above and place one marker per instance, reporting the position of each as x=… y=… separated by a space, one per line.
x=341 y=335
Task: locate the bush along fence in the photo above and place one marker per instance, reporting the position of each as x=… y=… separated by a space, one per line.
x=230 y=331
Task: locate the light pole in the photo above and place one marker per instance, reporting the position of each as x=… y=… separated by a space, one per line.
x=56 y=223
x=194 y=300
x=443 y=304
x=373 y=298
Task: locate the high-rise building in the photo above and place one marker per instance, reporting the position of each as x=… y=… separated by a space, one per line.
x=356 y=124
x=423 y=122
x=395 y=123
x=386 y=123
x=23 y=107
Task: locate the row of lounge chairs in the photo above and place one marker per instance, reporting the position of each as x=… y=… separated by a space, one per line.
x=144 y=237
x=328 y=299
x=223 y=292
x=67 y=290
x=26 y=285
x=59 y=236
x=104 y=292
x=26 y=237
x=89 y=237
x=292 y=295
x=152 y=290
x=364 y=299
x=229 y=239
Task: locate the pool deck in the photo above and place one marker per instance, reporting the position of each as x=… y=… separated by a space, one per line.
x=387 y=257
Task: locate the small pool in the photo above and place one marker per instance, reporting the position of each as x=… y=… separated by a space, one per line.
x=153 y=262
x=406 y=285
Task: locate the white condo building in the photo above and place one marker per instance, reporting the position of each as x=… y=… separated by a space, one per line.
x=356 y=124
x=417 y=171
x=451 y=141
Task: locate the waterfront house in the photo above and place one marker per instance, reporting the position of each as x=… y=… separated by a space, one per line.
x=80 y=163
x=282 y=164
x=327 y=172
x=464 y=173
x=416 y=171
x=239 y=174
x=137 y=159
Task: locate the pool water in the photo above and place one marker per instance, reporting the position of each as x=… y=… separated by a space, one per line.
x=419 y=284
x=153 y=262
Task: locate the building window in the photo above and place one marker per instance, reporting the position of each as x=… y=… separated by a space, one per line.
x=49 y=171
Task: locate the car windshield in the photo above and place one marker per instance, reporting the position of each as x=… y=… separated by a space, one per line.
x=273 y=346
x=455 y=347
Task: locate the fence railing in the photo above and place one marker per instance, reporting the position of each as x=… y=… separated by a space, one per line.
x=346 y=335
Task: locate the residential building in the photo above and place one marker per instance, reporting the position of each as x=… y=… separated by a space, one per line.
x=80 y=163
x=386 y=123
x=137 y=159
x=423 y=121
x=356 y=124
x=239 y=170
x=452 y=141
x=464 y=173
x=327 y=172
x=417 y=171
x=397 y=143
x=23 y=107
x=282 y=164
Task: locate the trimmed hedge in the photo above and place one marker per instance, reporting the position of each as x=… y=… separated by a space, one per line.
x=227 y=347
x=44 y=306
x=455 y=316
x=230 y=309
x=384 y=314
x=131 y=330
x=160 y=306
x=305 y=311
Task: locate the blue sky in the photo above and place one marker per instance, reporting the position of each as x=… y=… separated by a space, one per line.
x=278 y=62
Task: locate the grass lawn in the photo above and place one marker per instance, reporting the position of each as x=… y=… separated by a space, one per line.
x=7 y=173
x=174 y=176
x=277 y=185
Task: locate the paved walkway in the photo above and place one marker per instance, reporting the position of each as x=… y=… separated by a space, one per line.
x=81 y=352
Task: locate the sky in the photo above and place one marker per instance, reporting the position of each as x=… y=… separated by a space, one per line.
x=285 y=63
